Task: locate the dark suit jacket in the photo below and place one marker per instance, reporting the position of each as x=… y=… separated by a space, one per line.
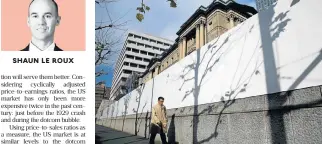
x=55 y=49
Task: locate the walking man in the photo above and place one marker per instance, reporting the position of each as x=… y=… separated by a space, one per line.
x=159 y=121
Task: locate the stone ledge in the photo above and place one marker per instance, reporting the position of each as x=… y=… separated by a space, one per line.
x=300 y=98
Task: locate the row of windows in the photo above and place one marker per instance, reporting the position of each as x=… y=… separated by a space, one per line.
x=135 y=51
x=141 y=51
x=262 y=4
x=134 y=58
x=137 y=58
x=145 y=45
x=123 y=79
x=134 y=65
x=148 y=40
x=127 y=71
x=119 y=59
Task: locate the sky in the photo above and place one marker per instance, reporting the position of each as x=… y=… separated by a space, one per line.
x=161 y=20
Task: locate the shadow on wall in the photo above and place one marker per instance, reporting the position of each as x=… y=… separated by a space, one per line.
x=172 y=131
x=138 y=114
x=138 y=119
x=151 y=104
x=270 y=29
x=112 y=112
x=294 y=2
x=277 y=27
x=266 y=21
x=276 y=119
x=117 y=112
x=126 y=105
x=217 y=53
x=147 y=124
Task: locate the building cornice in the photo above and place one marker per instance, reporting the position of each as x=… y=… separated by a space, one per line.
x=246 y=11
x=154 y=65
x=235 y=10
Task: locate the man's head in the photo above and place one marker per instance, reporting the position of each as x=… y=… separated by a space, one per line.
x=43 y=17
x=160 y=100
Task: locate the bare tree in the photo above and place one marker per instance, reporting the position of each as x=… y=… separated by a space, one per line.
x=144 y=8
x=140 y=10
x=106 y=45
x=109 y=34
x=108 y=38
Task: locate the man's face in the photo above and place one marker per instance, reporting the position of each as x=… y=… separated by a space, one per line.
x=43 y=19
x=161 y=101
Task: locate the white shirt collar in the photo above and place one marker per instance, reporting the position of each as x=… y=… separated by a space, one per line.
x=32 y=47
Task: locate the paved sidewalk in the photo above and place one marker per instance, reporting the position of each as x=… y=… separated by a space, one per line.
x=104 y=135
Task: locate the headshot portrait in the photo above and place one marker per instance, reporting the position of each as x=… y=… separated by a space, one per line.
x=43 y=25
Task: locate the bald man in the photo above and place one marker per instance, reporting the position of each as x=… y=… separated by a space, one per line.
x=43 y=17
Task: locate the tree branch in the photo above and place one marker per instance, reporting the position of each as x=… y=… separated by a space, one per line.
x=102 y=27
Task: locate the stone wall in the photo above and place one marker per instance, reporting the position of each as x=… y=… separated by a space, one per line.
x=260 y=82
x=268 y=53
x=286 y=117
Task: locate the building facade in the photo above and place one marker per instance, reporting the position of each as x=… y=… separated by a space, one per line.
x=138 y=50
x=203 y=26
x=101 y=93
x=264 y=4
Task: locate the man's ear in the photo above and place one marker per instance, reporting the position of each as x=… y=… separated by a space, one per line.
x=58 y=21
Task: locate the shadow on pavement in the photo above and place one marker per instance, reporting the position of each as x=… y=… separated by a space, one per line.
x=104 y=135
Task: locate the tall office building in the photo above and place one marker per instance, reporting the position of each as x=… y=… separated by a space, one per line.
x=138 y=50
x=264 y=4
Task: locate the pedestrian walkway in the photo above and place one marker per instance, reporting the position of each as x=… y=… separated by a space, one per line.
x=104 y=135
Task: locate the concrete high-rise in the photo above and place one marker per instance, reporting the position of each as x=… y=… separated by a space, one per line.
x=263 y=4
x=137 y=51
